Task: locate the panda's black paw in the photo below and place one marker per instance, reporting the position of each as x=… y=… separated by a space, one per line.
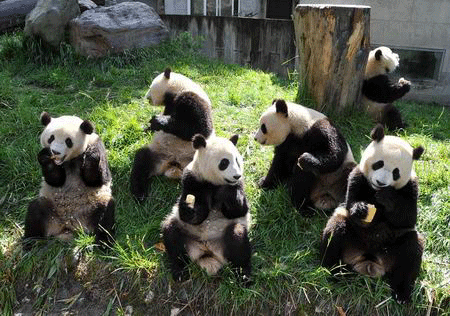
x=45 y=157
x=308 y=162
x=155 y=124
x=264 y=184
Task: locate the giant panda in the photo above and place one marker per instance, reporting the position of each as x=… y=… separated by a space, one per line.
x=209 y=223
x=167 y=85
x=379 y=92
x=171 y=148
x=374 y=232
x=311 y=155
x=76 y=188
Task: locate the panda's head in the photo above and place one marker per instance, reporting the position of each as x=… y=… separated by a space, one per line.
x=380 y=62
x=217 y=160
x=66 y=136
x=387 y=161
x=274 y=125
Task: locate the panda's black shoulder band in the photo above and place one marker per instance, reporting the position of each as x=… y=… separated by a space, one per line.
x=87 y=127
x=45 y=118
x=377 y=133
x=198 y=141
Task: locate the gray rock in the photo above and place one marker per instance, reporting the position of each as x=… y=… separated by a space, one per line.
x=86 y=5
x=49 y=19
x=117 y=28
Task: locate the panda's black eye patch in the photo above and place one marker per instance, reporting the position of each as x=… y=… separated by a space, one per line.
x=396 y=174
x=69 y=142
x=264 y=129
x=224 y=164
x=379 y=164
x=52 y=138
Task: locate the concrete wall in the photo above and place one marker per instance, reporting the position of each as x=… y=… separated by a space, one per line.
x=261 y=43
x=412 y=24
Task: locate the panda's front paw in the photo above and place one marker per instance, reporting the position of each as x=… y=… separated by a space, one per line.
x=45 y=157
x=155 y=124
x=359 y=211
x=264 y=184
x=403 y=82
x=386 y=196
x=308 y=163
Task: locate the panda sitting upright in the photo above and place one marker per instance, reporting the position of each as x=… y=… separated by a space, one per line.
x=76 y=189
x=311 y=155
x=379 y=92
x=210 y=221
x=187 y=112
x=374 y=231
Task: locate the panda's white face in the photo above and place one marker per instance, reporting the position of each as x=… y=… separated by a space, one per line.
x=65 y=138
x=219 y=162
x=381 y=61
x=274 y=127
x=388 y=163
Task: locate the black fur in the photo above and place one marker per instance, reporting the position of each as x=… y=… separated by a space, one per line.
x=93 y=168
x=381 y=89
x=45 y=118
x=390 y=235
x=190 y=115
x=298 y=161
x=230 y=200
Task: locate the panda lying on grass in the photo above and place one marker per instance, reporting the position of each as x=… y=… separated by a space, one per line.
x=374 y=231
x=76 y=189
x=210 y=221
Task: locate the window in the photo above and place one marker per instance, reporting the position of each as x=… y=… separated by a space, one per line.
x=203 y=7
x=419 y=64
x=279 y=9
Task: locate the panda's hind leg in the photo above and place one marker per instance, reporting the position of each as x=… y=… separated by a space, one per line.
x=175 y=241
x=392 y=118
x=38 y=215
x=103 y=221
x=300 y=186
x=146 y=164
x=237 y=250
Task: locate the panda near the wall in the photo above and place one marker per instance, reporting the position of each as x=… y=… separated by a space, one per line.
x=171 y=148
x=311 y=155
x=379 y=92
x=76 y=188
x=374 y=231
x=209 y=223
x=167 y=85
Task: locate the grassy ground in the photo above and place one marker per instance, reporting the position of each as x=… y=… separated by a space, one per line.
x=78 y=279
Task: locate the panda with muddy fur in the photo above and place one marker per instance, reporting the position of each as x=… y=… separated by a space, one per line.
x=379 y=92
x=167 y=85
x=374 y=232
x=209 y=223
x=311 y=155
x=76 y=188
x=187 y=112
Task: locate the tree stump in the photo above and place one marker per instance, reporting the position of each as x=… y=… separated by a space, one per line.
x=332 y=45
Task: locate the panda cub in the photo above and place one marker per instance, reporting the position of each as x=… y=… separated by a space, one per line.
x=76 y=189
x=374 y=231
x=165 y=87
x=210 y=221
x=171 y=149
x=311 y=155
x=379 y=92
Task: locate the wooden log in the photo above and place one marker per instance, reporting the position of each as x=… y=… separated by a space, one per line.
x=332 y=45
x=13 y=13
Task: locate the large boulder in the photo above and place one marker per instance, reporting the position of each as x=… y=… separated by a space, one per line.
x=116 y=28
x=49 y=19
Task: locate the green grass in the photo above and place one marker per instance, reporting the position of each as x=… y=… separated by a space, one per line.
x=287 y=277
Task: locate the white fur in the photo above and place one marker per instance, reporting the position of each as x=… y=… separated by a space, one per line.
x=299 y=119
x=62 y=128
x=389 y=61
x=395 y=153
x=205 y=163
x=176 y=83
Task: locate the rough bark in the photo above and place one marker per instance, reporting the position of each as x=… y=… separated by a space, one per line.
x=332 y=45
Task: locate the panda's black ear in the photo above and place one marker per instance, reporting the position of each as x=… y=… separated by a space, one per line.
x=417 y=152
x=45 y=118
x=281 y=106
x=378 y=54
x=167 y=73
x=377 y=133
x=87 y=127
x=198 y=141
x=234 y=139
